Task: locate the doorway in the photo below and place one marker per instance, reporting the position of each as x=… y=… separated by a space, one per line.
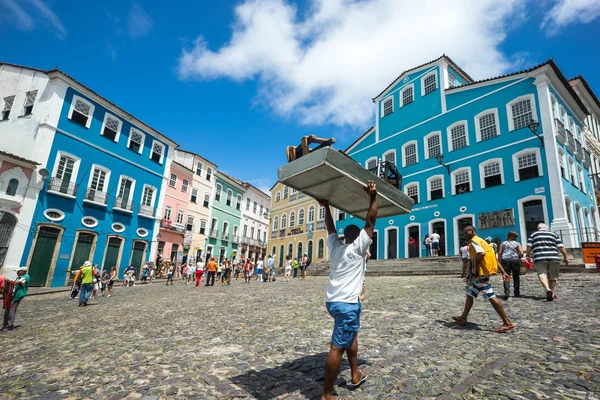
x=440 y=228
x=310 y=250
x=82 y=253
x=222 y=254
x=392 y=243
x=113 y=253
x=414 y=241
x=533 y=213
x=373 y=247
x=43 y=255
x=7 y=226
x=281 y=256
x=137 y=256
x=461 y=224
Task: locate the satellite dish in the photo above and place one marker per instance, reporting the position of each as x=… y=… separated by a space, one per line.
x=44 y=173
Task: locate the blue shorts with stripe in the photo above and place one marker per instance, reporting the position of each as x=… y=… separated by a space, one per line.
x=480 y=285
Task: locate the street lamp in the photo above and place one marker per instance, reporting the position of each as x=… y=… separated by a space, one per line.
x=440 y=160
x=533 y=126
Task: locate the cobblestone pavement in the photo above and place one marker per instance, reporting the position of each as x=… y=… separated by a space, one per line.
x=269 y=340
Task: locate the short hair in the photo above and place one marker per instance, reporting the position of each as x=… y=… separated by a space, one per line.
x=542 y=226
x=469 y=227
x=351 y=229
x=512 y=235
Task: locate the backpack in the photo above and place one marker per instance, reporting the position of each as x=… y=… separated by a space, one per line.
x=307 y=261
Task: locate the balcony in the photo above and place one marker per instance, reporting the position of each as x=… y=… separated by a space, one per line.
x=570 y=142
x=213 y=233
x=596 y=182
x=587 y=159
x=274 y=235
x=235 y=239
x=124 y=205
x=560 y=132
x=147 y=211
x=282 y=233
x=13 y=201
x=301 y=195
x=225 y=237
x=320 y=225
x=62 y=187
x=296 y=231
x=94 y=196
x=578 y=150
x=253 y=242
x=293 y=196
x=165 y=224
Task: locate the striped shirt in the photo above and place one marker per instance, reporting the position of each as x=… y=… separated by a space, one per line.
x=545 y=246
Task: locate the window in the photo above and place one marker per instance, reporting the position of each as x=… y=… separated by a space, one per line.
x=136 y=141
x=190 y=224
x=372 y=164
x=311 y=214
x=451 y=81
x=238 y=202
x=292 y=219
x=301 y=217
x=433 y=145
x=561 y=163
x=320 y=248
x=229 y=197
x=13 y=186
x=126 y=187
x=321 y=213
x=203 y=226
x=407 y=95
x=387 y=106
x=410 y=153
x=208 y=174
x=81 y=111
x=491 y=172
x=581 y=176
x=199 y=168
x=275 y=223
x=245 y=234
x=148 y=196
x=248 y=204
x=285 y=192
x=29 y=102
x=260 y=213
x=89 y=222
x=526 y=164
x=462 y=181
x=168 y=213
x=8 y=103
x=184 y=185
x=218 y=192
x=412 y=191
x=66 y=169
x=142 y=232
x=206 y=202
x=158 y=150
x=572 y=171
x=54 y=214
x=486 y=125
x=180 y=217
x=457 y=135
x=429 y=84
x=118 y=227
x=173 y=180
x=436 y=187
x=390 y=156
x=520 y=112
x=254 y=207
x=277 y=198
x=235 y=230
x=98 y=179
x=283 y=221
x=341 y=215
x=252 y=232
x=194 y=197
x=111 y=128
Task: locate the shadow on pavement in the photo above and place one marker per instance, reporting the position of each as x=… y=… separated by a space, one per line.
x=470 y=326
x=530 y=297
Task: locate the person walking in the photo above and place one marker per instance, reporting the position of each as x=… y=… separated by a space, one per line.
x=76 y=284
x=95 y=281
x=247 y=271
x=111 y=281
x=170 y=273
x=295 y=266
x=87 y=283
x=464 y=255
x=510 y=253
x=545 y=245
x=212 y=270
x=346 y=277
x=427 y=243
x=190 y=272
x=435 y=243
x=259 y=270
x=304 y=265
x=199 y=272
x=482 y=264
x=20 y=288
x=288 y=268
x=104 y=278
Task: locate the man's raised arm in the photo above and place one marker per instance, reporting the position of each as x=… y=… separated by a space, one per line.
x=371 y=190
x=328 y=218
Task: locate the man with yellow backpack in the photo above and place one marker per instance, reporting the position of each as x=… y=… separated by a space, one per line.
x=483 y=263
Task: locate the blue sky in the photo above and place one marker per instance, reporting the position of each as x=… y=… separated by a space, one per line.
x=237 y=81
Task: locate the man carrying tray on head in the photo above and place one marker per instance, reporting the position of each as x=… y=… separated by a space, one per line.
x=346 y=278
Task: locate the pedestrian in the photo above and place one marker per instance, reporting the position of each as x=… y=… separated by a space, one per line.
x=435 y=243
x=76 y=284
x=190 y=272
x=212 y=270
x=228 y=271
x=151 y=274
x=184 y=268
x=427 y=242
x=304 y=263
x=413 y=250
x=247 y=271
x=96 y=281
x=545 y=245
x=111 y=280
x=288 y=268
x=482 y=264
x=87 y=283
x=510 y=253
x=126 y=278
x=219 y=270
x=199 y=272
x=131 y=272
x=170 y=274
x=145 y=272
x=464 y=255
x=492 y=244
x=259 y=270
x=346 y=277
x=20 y=286
x=295 y=266
x=104 y=279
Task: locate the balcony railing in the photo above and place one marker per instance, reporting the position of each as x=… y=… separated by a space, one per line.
x=147 y=211
x=578 y=150
x=235 y=239
x=320 y=225
x=587 y=159
x=282 y=233
x=62 y=186
x=301 y=195
x=96 y=196
x=123 y=204
x=596 y=182
x=560 y=131
x=214 y=233
x=225 y=236
x=293 y=196
x=570 y=142
x=274 y=235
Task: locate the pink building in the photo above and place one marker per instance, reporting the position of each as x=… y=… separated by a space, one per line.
x=175 y=234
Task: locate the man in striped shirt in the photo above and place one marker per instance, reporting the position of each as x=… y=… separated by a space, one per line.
x=545 y=246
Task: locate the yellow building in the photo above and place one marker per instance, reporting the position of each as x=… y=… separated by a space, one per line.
x=297 y=226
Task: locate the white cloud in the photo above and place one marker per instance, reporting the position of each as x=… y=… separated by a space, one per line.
x=566 y=12
x=50 y=17
x=262 y=184
x=139 y=22
x=15 y=13
x=325 y=65
x=26 y=18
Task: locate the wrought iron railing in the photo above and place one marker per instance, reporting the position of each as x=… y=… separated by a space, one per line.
x=560 y=131
x=235 y=239
x=293 y=196
x=123 y=204
x=587 y=159
x=62 y=186
x=320 y=225
x=225 y=236
x=213 y=233
x=587 y=234
x=148 y=211
x=274 y=235
x=596 y=182
x=96 y=196
x=578 y=150
x=282 y=233
x=570 y=142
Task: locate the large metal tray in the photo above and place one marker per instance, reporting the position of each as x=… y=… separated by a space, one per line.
x=329 y=175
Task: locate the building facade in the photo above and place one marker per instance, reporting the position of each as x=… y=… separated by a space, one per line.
x=297 y=226
x=199 y=207
x=255 y=223
x=226 y=213
x=176 y=228
x=501 y=154
x=103 y=174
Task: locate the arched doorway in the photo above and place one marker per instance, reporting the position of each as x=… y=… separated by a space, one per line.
x=281 y=249
x=373 y=247
x=138 y=255
x=43 y=255
x=310 y=250
x=299 y=250
x=7 y=227
x=112 y=257
x=460 y=223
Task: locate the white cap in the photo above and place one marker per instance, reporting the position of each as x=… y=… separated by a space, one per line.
x=24 y=269
x=87 y=264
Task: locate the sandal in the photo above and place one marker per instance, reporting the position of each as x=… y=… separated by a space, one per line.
x=363 y=377
x=504 y=328
x=460 y=321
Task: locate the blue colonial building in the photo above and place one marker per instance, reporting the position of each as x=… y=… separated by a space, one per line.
x=501 y=154
x=104 y=172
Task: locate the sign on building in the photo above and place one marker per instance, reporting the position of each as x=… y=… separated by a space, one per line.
x=590 y=250
x=496 y=219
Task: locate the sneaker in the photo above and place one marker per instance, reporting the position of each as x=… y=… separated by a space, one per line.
x=554 y=297
x=549 y=295
x=7 y=329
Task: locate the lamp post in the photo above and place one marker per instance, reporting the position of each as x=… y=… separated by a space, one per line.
x=533 y=126
x=440 y=160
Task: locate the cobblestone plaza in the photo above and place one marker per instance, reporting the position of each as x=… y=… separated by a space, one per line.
x=269 y=341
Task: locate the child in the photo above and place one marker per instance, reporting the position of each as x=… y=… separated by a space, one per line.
x=219 y=271
x=259 y=270
x=288 y=269
x=103 y=282
x=151 y=274
x=170 y=275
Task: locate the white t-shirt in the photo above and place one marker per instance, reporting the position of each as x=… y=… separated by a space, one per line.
x=435 y=237
x=191 y=269
x=259 y=264
x=347 y=271
x=200 y=266
x=464 y=252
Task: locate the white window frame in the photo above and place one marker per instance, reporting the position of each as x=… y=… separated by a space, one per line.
x=75 y=165
x=283 y=221
x=209 y=173
x=106 y=179
x=416 y=143
x=121 y=179
x=181 y=214
x=323 y=213
x=229 y=198
x=199 y=163
x=453 y=179
x=431 y=178
x=275 y=223
x=481 y=114
x=89 y=103
x=141 y=144
x=205 y=200
x=285 y=192
x=164 y=148
x=534 y=116
x=218 y=191
x=515 y=162
x=301 y=210
x=308 y=218
x=411 y=184
x=174 y=184
x=238 y=202
x=581 y=177
x=170 y=212
x=426 y=143
x=449 y=134
x=388 y=152
x=572 y=170
x=192 y=195
x=562 y=158
x=278 y=196
x=185 y=184
x=437 y=83
x=484 y=164
x=391 y=97
x=154 y=191
x=292 y=220
x=119 y=126
x=369 y=160
x=411 y=86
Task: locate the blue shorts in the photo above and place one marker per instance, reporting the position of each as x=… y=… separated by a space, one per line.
x=435 y=245
x=347 y=323
x=480 y=285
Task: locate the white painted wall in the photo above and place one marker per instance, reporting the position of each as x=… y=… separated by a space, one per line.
x=255 y=220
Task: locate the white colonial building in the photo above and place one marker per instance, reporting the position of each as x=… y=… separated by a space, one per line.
x=255 y=222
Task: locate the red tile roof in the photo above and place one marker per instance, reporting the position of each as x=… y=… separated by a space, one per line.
x=18 y=158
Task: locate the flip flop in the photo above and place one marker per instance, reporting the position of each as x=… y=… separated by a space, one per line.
x=459 y=321
x=363 y=377
x=504 y=328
